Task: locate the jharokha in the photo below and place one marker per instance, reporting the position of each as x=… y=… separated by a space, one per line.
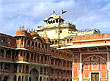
x=56 y=51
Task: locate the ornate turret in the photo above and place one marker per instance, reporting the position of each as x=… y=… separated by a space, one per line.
x=54 y=18
x=21 y=32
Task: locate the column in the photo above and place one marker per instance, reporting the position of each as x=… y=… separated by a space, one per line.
x=108 y=68
x=80 y=71
x=23 y=42
x=16 y=77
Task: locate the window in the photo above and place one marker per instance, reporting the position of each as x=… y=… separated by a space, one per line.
x=19 y=78
x=42 y=46
x=32 y=56
x=14 y=78
x=1 y=65
x=7 y=66
x=40 y=78
x=46 y=46
x=44 y=70
x=1 y=52
x=2 y=39
x=9 y=41
x=27 y=68
x=8 y=53
x=27 y=57
x=39 y=45
x=28 y=43
x=41 y=70
x=19 y=68
x=15 y=68
x=26 y=78
x=36 y=44
x=32 y=43
x=60 y=31
x=22 y=78
x=23 y=68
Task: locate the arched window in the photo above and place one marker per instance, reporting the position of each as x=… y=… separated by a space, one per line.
x=40 y=78
x=8 y=54
x=42 y=45
x=39 y=45
x=63 y=80
x=15 y=68
x=14 y=78
x=32 y=56
x=36 y=44
x=26 y=78
x=29 y=78
x=38 y=58
x=67 y=80
x=53 y=21
x=19 y=78
x=19 y=68
x=1 y=52
x=28 y=43
x=27 y=56
x=41 y=70
x=32 y=44
x=27 y=68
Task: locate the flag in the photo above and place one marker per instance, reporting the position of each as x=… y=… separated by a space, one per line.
x=63 y=11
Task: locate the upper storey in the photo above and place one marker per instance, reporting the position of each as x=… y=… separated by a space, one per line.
x=7 y=41
x=54 y=21
x=91 y=40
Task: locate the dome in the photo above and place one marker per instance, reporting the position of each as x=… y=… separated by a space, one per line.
x=21 y=32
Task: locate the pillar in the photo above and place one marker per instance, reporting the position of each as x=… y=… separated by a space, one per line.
x=80 y=71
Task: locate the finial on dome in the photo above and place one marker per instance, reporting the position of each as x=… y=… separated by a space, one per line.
x=29 y=30
x=22 y=26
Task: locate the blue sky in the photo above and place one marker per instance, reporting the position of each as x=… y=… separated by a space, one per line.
x=85 y=14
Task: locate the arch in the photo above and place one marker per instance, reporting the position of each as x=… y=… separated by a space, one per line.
x=8 y=53
x=55 y=80
x=1 y=51
x=6 y=78
x=94 y=55
x=14 y=78
x=44 y=79
x=34 y=74
x=63 y=80
x=19 y=78
x=47 y=79
x=67 y=80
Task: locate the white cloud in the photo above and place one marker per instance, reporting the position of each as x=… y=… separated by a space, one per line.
x=30 y=13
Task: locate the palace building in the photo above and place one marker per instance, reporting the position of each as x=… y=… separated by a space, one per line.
x=29 y=57
x=58 y=51
x=91 y=57
x=60 y=32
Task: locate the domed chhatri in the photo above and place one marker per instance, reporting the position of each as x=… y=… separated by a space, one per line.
x=21 y=32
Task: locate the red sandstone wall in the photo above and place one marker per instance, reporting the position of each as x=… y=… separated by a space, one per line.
x=90 y=37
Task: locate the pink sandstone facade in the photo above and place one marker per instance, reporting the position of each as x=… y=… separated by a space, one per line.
x=91 y=57
x=29 y=57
